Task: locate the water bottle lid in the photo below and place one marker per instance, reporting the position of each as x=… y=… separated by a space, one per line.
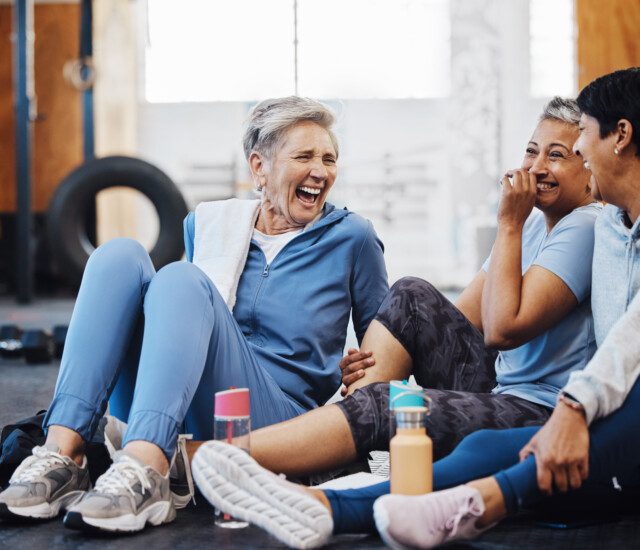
x=403 y=394
x=410 y=417
x=232 y=403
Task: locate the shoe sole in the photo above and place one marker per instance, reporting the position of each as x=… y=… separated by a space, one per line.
x=381 y=519
x=155 y=514
x=42 y=511
x=235 y=484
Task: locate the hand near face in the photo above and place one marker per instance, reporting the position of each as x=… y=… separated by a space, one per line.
x=517 y=199
x=561 y=448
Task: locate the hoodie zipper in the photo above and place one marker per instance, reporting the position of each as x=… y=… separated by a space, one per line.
x=267 y=268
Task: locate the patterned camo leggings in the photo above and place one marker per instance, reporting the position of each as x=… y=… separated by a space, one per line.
x=451 y=360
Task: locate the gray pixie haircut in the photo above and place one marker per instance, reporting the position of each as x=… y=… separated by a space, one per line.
x=562 y=109
x=269 y=120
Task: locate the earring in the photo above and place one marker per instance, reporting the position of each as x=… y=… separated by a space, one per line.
x=616 y=151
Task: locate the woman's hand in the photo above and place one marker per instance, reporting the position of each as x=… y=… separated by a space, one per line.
x=561 y=448
x=353 y=365
x=518 y=198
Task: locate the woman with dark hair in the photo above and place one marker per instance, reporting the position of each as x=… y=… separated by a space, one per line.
x=592 y=433
x=530 y=301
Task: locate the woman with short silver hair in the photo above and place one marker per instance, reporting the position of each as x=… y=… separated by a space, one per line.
x=263 y=302
x=496 y=359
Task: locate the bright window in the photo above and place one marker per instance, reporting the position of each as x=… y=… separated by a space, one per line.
x=219 y=50
x=552 y=48
x=243 y=50
x=374 y=48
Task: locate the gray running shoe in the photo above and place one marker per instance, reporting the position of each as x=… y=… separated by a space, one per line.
x=43 y=484
x=127 y=496
x=180 y=478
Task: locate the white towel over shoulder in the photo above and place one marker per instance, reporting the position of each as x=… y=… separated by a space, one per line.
x=221 y=244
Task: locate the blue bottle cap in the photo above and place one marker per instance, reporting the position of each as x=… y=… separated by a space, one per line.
x=403 y=394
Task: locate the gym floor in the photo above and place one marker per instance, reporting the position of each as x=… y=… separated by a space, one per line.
x=25 y=389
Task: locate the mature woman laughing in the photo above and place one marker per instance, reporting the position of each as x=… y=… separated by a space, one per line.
x=159 y=345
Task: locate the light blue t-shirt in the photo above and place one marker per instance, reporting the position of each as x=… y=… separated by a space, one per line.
x=616 y=270
x=537 y=370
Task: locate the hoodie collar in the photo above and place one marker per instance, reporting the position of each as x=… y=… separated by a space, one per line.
x=330 y=214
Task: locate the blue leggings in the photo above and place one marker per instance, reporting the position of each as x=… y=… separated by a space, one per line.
x=158 y=345
x=614 y=451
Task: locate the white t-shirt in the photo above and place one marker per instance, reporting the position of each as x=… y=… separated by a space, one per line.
x=272 y=244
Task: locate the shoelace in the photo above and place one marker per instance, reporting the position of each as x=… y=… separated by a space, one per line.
x=464 y=511
x=122 y=475
x=37 y=464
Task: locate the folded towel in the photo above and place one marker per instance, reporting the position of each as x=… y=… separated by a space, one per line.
x=223 y=234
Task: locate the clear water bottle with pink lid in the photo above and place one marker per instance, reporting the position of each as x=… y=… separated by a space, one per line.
x=232 y=424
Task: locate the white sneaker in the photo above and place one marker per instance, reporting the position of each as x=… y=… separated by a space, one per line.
x=127 y=497
x=427 y=521
x=44 y=484
x=237 y=485
x=180 y=478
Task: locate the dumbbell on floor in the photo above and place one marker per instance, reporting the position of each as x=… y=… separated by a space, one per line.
x=37 y=346
x=10 y=341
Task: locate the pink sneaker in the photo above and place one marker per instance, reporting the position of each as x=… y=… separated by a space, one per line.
x=429 y=520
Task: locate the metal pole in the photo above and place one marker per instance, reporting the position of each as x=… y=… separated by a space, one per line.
x=23 y=78
x=88 y=134
x=86 y=52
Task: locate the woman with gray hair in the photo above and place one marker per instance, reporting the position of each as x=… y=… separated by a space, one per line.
x=263 y=303
x=495 y=359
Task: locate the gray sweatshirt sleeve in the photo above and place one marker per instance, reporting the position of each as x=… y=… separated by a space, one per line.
x=606 y=381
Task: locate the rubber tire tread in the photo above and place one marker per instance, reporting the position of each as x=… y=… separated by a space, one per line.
x=66 y=228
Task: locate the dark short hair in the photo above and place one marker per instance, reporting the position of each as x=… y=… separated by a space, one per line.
x=612 y=97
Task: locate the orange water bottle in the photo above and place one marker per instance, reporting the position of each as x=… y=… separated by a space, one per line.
x=411 y=452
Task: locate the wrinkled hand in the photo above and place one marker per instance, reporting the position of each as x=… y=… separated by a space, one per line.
x=561 y=448
x=353 y=365
x=518 y=197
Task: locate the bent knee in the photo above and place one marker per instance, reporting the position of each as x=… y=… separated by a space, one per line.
x=376 y=393
x=178 y=272
x=180 y=278
x=413 y=286
x=120 y=255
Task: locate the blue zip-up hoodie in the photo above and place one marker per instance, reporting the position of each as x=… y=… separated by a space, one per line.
x=294 y=312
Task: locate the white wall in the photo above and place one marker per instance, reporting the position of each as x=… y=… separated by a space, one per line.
x=424 y=171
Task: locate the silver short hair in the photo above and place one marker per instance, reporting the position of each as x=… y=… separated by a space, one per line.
x=563 y=109
x=270 y=119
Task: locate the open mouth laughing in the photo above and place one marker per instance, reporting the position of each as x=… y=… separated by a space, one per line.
x=308 y=195
x=545 y=186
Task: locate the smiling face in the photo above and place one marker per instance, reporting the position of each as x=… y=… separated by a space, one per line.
x=597 y=155
x=562 y=180
x=298 y=176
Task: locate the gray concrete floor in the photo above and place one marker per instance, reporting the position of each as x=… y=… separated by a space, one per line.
x=24 y=389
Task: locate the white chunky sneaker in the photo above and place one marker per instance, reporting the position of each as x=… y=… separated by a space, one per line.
x=126 y=497
x=180 y=478
x=237 y=485
x=427 y=521
x=45 y=483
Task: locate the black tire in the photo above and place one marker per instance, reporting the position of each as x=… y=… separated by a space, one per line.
x=67 y=231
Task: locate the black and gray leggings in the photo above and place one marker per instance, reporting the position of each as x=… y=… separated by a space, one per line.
x=451 y=360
